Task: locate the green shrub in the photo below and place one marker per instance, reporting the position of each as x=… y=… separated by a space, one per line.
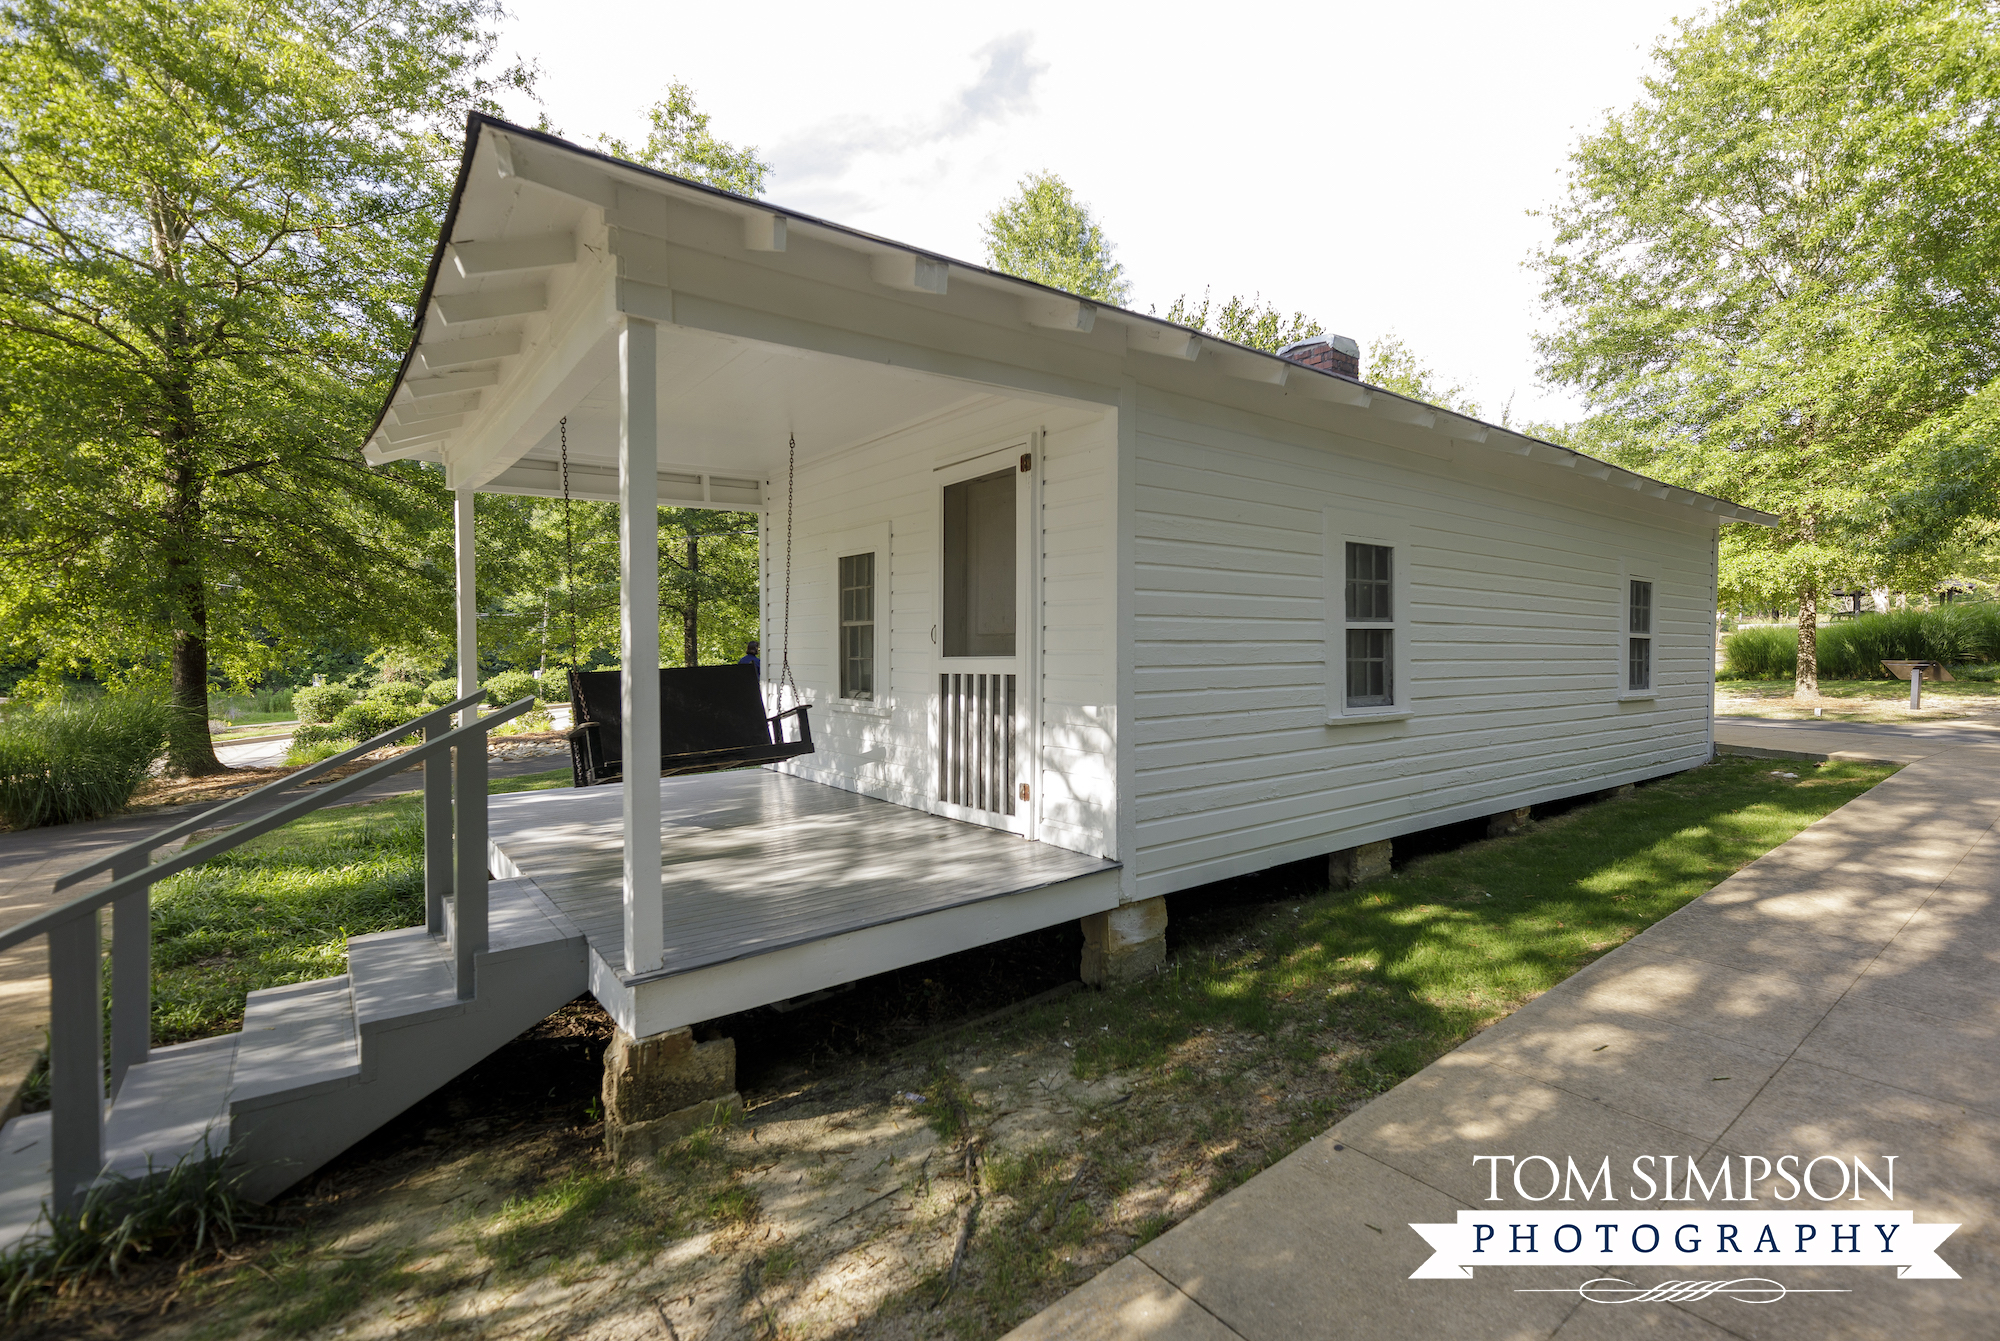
x=369 y=717
x=508 y=686
x=310 y=751
x=554 y=686
x=398 y=693
x=316 y=733
x=319 y=702
x=76 y=760
x=441 y=692
x=1855 y=649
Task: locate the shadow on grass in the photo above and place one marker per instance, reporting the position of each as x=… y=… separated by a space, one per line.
x=1407 y=967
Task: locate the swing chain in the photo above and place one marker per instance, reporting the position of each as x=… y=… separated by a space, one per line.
x=569 y=544
x=785 y=648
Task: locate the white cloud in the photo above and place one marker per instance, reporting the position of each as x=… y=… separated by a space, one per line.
x=828 y=150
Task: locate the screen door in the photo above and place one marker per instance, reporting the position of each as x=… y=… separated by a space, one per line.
x=982 y=635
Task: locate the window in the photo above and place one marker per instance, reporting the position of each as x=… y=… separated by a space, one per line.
x=1638 y=637
x=979 y=566
x=857 y=626
x=1371 y=667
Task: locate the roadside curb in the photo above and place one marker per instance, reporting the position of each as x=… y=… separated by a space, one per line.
x=1840 y=756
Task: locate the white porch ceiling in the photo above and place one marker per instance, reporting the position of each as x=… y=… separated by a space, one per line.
x=730 y=406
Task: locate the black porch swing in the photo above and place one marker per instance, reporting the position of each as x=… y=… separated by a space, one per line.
x=711 y=717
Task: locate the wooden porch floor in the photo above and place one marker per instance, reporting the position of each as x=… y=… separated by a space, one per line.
x=756 y=861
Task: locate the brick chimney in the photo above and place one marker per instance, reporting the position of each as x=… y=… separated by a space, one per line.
x=1329 y=353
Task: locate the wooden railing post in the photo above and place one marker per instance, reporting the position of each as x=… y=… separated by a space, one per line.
x=131 y=973
x=437 y=829
x=469 y=878
x=76 y=1061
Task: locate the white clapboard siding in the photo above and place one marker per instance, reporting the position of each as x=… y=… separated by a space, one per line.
x=1514 y=646
x=887 y=750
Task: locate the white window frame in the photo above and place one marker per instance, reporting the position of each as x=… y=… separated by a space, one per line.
x=1628 y=573
x=874 y=540
x=1344 y=525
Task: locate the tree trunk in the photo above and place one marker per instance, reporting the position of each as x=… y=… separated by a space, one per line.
x=1807 y=675
x=190 y=749
x=690 y=652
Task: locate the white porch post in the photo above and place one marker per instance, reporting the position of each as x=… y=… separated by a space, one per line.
x=639 y=628
x=468 y=597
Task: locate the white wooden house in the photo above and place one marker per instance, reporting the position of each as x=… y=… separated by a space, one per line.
x=1153 y=608
x=1087 y=609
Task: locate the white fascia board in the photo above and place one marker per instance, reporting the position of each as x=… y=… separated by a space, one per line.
x=437 y=355
x=1171 y=342
x=1461 y=429
x=486 y=304
x=1246 y=366
x=1551 y=455
x=763 y=231
x=910 y=273
x=433 y=407
x=1053 y=313
x=552 y=169
x=496 y=438
x=474 y=259
x=428 y=389
x=1398 y=410
x=378 y=454
x=1331 y=387
x=398 y=434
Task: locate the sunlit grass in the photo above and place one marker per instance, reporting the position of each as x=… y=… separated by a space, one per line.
x=1413 y=964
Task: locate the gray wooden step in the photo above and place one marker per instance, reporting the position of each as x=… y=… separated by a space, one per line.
x=318 y=1065
x=297 y=1039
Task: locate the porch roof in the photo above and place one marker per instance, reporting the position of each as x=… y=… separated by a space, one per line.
x=773 y=321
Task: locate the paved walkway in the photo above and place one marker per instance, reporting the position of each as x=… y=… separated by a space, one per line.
x=32 y=859
x=1839 y=996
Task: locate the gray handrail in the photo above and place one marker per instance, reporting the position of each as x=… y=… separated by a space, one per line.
x=277 y=819
x=455 y=858
x=207 y=818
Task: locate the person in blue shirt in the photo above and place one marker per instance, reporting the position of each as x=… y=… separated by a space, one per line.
x=749 y=657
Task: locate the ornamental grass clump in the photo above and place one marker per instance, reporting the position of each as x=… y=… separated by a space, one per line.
x=78 y=759
x=1855 y=649
x=193 y=1205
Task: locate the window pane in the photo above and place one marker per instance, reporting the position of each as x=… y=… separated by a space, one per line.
x=1368 y=582
x=1370 y=670
x=979 y=567
x=857 y=662
x=1642 y=608
x=1639 y=664
x=857 y=626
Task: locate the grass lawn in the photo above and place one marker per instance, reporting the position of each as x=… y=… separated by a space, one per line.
x=1879 y=701
x=1081 y=1127
x=280 y=908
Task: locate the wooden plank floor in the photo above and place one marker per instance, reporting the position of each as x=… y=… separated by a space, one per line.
x=754 y=861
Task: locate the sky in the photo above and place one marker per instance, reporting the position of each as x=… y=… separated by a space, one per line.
x=1372 y=166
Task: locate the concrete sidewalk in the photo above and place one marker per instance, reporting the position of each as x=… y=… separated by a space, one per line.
x=31 y=860
x=1856 y=741
x=1838 y=996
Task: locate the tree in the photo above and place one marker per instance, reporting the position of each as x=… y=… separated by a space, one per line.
x=1394 y=366
x=537 y=564
x=1044 y=233
x=212 y=218
x=680 y=142
x=1251 y=321
x=1777 y=278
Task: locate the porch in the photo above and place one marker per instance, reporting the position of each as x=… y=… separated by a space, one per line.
x=772 y=886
